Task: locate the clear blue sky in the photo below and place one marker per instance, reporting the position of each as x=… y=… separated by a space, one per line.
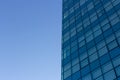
x=30 y=39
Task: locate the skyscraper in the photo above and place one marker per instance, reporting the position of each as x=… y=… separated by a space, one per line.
x=91 y=40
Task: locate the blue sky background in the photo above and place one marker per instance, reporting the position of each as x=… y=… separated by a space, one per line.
x=30 y=39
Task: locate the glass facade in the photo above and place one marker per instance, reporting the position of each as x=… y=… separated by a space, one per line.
x=91 y=40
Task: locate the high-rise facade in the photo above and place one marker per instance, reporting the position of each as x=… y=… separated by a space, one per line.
x=91 y=40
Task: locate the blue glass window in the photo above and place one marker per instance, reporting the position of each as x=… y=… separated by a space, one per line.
x=104 y=22
x=94 y=64
x=85 y=70
x=75 y=61
x=117 y=33
x=97 y=33
x=110 y=75
x=97 y=27
x=116 y=2
x=104 y=58
x=118 y=40
x=115 y=52
x=69 y=78
x=115 y=21
x=93 y=57
x=103 y=51
x=116 y=61
x=99 y=38
x=67 y=66
x=90 y=44
x=92 y=50
x=100 y=44
x=75 y=68
x=118 y=71
x=74 y=54
x=74 y=48
x=84 y=62
x=90 y=6
x=106 y=67
x=87 y=77
x=110 y=38
x=67 y=73
x=112 y=45
x=105 y=27
x=76 y=76
x=108 y=32
x=100 y=78
x=83 y=56
x=82 y=43
x=96 y=73
x=81 y=38
x=66 y=60
x=82 y=49
x=89 y=38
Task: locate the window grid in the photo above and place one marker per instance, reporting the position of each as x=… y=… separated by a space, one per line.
x=75 y=36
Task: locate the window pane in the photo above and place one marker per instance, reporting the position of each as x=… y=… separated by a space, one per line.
x=75 y=61
x=67 y=66
x=85 y=70
x=100 y=44
x=110 y=38
x=118 y=71
x=116 y=61
x=93 y=57
x=106 y=67
x=89 y=38
x=96 y=73
x=117 y=33
x=83 y=56
x=76 y=76
x=112 y=45
x=103 y=51
x=84 y=62
x=110 y=75
x=91 y=50
x=75 y=68
x=118 y=40
x=105 y=27
x=67 y=73
x=82 y=43
x=87 y=77
x=100 y=78
x=97 y=33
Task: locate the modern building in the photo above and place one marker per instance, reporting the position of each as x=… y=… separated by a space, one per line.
x=91 y=40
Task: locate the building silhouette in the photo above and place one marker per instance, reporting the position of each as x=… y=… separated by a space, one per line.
x=91 y=40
